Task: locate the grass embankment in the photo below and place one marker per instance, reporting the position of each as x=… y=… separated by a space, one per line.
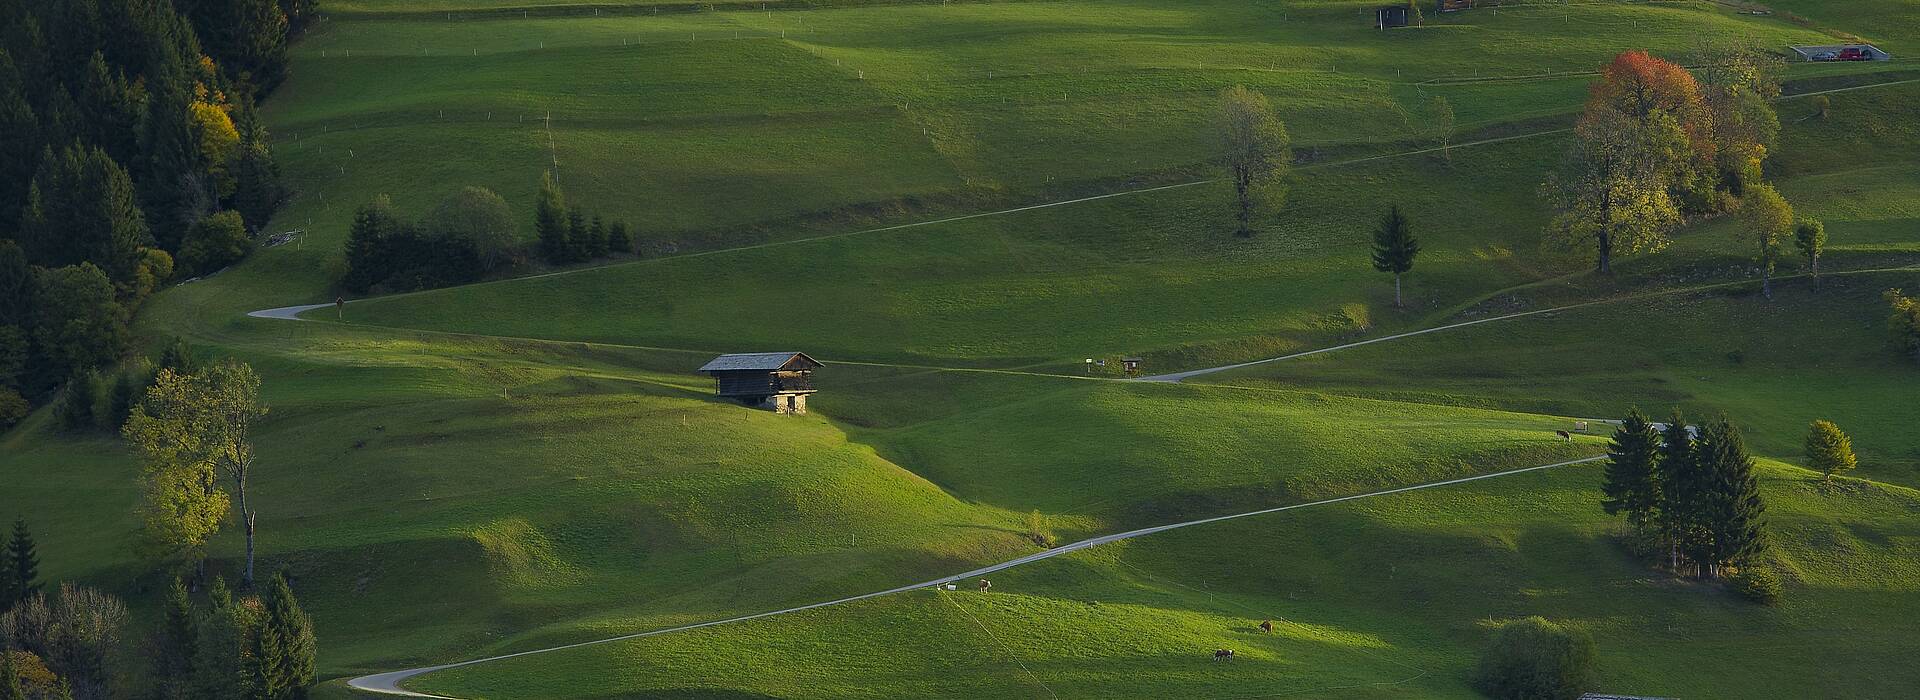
x=440 y=496
x=1376 y=598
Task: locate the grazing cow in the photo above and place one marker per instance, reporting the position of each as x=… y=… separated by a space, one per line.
x=1266 y=626
x=1219 y=654
x=1564 y=435
x=984 y=585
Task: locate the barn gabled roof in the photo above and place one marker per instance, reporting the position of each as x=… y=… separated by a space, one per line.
x=762 y=361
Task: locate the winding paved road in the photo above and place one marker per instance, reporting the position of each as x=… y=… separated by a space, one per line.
x=389 y=683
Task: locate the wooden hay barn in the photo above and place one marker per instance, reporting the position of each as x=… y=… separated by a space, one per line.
x=776 y=381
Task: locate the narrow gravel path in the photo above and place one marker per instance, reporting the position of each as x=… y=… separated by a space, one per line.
x=389 y=683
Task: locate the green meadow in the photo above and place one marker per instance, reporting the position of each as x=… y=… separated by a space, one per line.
x=530 y=461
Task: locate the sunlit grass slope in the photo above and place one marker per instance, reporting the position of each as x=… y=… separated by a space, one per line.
x=1377 y=598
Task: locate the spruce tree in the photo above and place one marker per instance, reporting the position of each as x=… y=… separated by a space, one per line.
x=1829 y=451
x=369 y=261
x=617 y=239
x=550 y=221
x=284 y=645
x=1681 y=484
x=597 y=238
x=1394 y=248
x=81 y=208
x=23 y=563
x=1630 y=485
x=175 y=646
x=579 y=237
x=1732 y=507
x=220 y=667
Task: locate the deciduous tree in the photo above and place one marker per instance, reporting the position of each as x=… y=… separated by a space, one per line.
x=1829 y=451
x=1903 y=325
x=1810 y=237
x=77 y=323
x=1613 y=194
x=214 y=243
x=1443 y=125
x=1256 y=153
x=193 y=429
x=1768 y=220
x=477 y=215
x=1535 y=659
x=1394 y=248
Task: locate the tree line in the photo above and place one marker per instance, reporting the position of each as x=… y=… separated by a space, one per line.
x=468 y=235
x=191 y=423
x=81 y=643
x=130 y=152
x=1687 y=492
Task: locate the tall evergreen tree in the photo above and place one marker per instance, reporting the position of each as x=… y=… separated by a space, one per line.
x=81 y=208
x=550 y=221
x=597 y=238
x=20 y=143
x=1732 y=510
x=368 y=262
x=16 y=286
x=220 y=668
x=23 y=562
x=618 y=241
x=284 y=645
x=1394 y=248
x=1682 y=483
x=173 y=173
x=1631 y=485
x=579 y=237
x=175 y=646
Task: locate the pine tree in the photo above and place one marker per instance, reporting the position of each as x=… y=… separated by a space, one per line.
x=284 y=645
x=172 y=171
x=597 y=238
x=23 y=563
x=617 y=239
x=368 y=258
x=1681 y=483
x=1394 y=248
x=81 y=208
x=1732 y=507
x=579 y=237
x=20 y=144
x=1630 y=486
x=221 y=648
x=1829 y=451
x=550 y=221
x=175 y=647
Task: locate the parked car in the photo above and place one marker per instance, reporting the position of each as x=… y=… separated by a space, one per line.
x=1855 y=53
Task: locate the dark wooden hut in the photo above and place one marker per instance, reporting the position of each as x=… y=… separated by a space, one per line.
x=778 y=381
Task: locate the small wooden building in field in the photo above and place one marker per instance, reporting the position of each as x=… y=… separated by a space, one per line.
x=777 y=381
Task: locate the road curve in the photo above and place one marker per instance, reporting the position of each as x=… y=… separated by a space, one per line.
x=389 y=683
x=287 y=313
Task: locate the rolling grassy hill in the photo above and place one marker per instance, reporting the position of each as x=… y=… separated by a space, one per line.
x=526 y=462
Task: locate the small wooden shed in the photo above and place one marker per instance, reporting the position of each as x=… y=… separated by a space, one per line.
x=777 y=381
x=1390 y=16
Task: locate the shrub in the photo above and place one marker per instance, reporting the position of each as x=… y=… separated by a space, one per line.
x=12 y=408
x=1758 y=584
x=1535 y=659
x=1037 y=530
x=214 y=243
x=74 y=410
x=1903 y=325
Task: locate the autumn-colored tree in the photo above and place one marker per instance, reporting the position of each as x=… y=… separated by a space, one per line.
x=1768 y=220
x=1612 y=195
x=1641 y=86
x=1257 y=155
x=193 y=430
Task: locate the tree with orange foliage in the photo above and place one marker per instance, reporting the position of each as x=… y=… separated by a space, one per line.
x=1643 y=86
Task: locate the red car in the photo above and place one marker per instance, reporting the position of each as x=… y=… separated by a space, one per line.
x=1854 y=53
